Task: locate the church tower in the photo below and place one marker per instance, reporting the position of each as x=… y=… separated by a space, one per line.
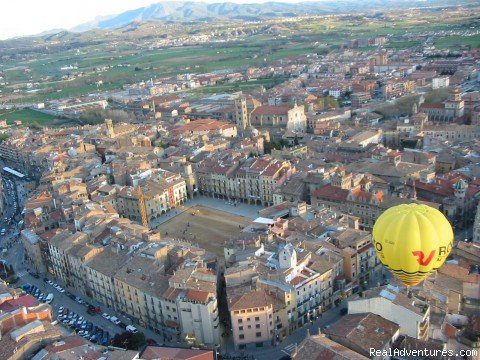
x=242 y=118
x=109 y=127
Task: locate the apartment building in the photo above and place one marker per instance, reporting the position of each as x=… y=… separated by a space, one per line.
x=366 y=205
x=251 y=317
x=309 y=276
x=362 y=332
x=410 y=313
x=31 y=244
x=159 y=196
x=360 y=261
x=11 y=152
x=126 y=271
x=476 y=226
x=252 y=181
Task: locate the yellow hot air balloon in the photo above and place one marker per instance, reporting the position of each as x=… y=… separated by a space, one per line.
x=412 y=241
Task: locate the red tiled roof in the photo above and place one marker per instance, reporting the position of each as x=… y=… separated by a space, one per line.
x=197 y=295
x=56 y=215
x=332 y=193
x=163 y=353
x=202 y=125
x=297 y=280
x=449 y=330
x=22 y=301
x=102 y=235
x=50 y=234
x=271 y=110
x=68 y=343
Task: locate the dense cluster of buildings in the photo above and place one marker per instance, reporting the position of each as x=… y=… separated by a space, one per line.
x=322 y=175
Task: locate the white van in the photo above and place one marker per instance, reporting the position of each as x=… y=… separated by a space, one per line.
x=49 y=298
x=131 y=329
x=114 y=320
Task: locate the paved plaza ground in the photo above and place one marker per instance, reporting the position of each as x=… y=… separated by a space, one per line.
x=202 y=225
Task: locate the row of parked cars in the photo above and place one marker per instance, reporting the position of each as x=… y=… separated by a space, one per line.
x=83 y=327
x=91 y=309
x=35 y=292
x=115 y=320
x=55 y=285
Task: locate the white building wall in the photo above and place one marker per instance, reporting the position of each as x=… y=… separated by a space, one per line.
x=407 y=319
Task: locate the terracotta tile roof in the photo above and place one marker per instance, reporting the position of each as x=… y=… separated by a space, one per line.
x=56 y=215
x=270 y=110
x=252 y=299
x=171 y=293
x=320 y=347
x=365 y=331
x=163 y=353
x=330 y=192
x=444 y=186
x=68 y=343
x=297 y=280
x=202 y=125
x=22 y=301
x=459 y=273
x=196 y=295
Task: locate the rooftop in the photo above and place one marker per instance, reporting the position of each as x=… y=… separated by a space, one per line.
x=320 y=347
x=364 y=331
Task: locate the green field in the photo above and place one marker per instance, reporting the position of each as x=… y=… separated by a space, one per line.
x=402 y=44
x=456 y=42
x=130 y=59
x=27 y=117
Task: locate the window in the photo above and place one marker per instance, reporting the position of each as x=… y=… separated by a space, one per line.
x=257 y=318
x=257 y=326
x=240 y=321
x=248 y=319
x=241 y=336
x=258 y=334
x=240 y=328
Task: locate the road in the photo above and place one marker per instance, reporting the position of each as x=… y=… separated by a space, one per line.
x=9 y=221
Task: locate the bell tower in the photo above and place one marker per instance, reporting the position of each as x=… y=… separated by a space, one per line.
x=109 y=127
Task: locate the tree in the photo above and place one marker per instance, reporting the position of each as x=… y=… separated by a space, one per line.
x=129 y=341
x=35 y=126
x=436 y=96
x=97 y=116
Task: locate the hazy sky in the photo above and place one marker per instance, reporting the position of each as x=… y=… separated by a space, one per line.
x=27 y=17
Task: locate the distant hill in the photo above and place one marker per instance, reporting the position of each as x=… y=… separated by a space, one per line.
x=199 y=11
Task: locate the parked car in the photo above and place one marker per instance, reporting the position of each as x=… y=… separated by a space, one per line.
x=131 y=329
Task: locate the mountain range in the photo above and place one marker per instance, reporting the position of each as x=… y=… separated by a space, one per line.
x=188 y=11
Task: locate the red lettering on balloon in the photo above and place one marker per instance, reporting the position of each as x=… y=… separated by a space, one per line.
x=421 y=257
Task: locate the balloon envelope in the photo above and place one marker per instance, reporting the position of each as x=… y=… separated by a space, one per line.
x=412 y=241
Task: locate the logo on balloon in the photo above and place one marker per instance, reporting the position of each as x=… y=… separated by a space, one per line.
x=421 y=257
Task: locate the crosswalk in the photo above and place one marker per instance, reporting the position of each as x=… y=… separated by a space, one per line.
x=22 y=273
x=290 y=348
